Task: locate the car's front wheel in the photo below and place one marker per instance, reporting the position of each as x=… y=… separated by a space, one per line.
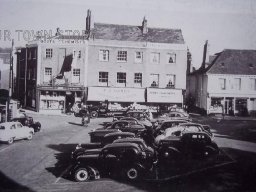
x=132 y=173
x=10 y=141
x=82 y=175
x=94 y=114
x=30 y=136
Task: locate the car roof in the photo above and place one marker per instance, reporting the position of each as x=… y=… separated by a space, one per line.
x=119 y=145
x=128 y=140
x=174 y=120
x=119 y=133
x=132 y=118
x=192 y=124
x=9 y=123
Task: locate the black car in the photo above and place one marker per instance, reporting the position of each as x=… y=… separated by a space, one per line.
x=28 y=121
x=118 y=126
x=125 y=158
x=167 y=124
x=188 y=145
x=107 y=139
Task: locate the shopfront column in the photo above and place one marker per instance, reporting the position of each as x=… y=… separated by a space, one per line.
x=234 y=105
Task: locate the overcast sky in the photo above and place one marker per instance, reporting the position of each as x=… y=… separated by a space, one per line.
x=224 y=23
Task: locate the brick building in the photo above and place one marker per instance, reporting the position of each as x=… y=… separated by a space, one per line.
x=118 y=63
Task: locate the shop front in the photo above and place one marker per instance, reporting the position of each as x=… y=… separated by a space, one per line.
x=116 y=94
x=57 y=101
x=163 y=99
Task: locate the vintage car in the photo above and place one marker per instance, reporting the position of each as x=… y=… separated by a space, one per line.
x=167 y=124
x=10 y=131
x=107 y=139
x=125 y=158
x=122 y=125
x=142 y=116
x=182 y=128
x=173 y=115
x=187 y=145
x=28 y=121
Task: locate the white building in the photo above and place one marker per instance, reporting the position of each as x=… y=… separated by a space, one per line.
x=227 y=85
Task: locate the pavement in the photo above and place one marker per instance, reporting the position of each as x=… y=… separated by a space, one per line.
x=42 y=163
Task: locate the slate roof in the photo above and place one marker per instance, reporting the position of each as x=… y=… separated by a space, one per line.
x=134 y=33
x=232 y=61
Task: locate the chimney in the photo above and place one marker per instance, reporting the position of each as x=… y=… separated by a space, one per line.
x=189 y=59
x=89 y=21
x=204 y=54
x=144 y=26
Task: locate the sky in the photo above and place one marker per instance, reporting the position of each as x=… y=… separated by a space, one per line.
x=226 y=24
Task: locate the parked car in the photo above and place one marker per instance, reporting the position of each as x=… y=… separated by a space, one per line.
x=11 y=131
x=167 y=124
x=28 y=121
x=125 y=158
x=186 y=146
x=122 y=125
x=173 y=115
x=181 y=129
x=107 y=139
x=141 y=116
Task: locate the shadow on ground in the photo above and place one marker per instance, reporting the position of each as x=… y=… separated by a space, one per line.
x=7 y=184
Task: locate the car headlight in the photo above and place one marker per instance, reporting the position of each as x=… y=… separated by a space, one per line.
x=166 y=154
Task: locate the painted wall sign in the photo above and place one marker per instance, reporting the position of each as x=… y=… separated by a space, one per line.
x=116 y=94
x=164 y=95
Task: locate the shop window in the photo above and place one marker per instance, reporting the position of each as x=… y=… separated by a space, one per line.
x=253 y=84
x=47 y=74
x=121 y=79
x=103 y=78
x=138 y=79
x=138 y=57
x=34 y=74
x=48 y=53
x=29 y=55
x=171 y=58
x=122 y=56
x=154 y=80
x=170 y=81
x=238 y=83
x=104 y=55
x=76 y=76
x=222 y=83
x=155 y=58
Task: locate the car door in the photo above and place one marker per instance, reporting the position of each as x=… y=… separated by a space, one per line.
x=20 y=132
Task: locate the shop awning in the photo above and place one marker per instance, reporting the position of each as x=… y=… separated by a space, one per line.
x=116 y=94
x=157 y=95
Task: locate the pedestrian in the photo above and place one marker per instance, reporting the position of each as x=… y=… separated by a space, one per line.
x=85 y=117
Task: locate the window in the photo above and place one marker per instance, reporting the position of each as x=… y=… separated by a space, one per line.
x=222 y=83
x=104 y=55
x=138 y=79
x=47 y=74
x=79 y=54
x=238 y=83
x=121 y=79
x=103 y=78
x=122 y=56
x=29 y=55
x=170 y=81
x=155 y=57
x=253 y=84
x=48 y=53
x=154 y=79
x=171 y=58
x=35 y=54
x=76 y=76
x=138 y=57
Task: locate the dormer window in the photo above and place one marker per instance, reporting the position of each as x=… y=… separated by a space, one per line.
x=222 y=64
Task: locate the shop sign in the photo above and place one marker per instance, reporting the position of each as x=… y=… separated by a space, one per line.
x=164 y=95
x=116 y=94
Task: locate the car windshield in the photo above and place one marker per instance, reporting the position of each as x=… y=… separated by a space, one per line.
x=2 y=127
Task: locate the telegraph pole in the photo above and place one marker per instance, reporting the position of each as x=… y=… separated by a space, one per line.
x=10 y=84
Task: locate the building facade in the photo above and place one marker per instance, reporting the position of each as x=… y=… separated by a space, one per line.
x=227 y=85
x=117 y=63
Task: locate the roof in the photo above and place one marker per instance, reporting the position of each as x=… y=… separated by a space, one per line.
x=232 y=61
x=134 y=33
